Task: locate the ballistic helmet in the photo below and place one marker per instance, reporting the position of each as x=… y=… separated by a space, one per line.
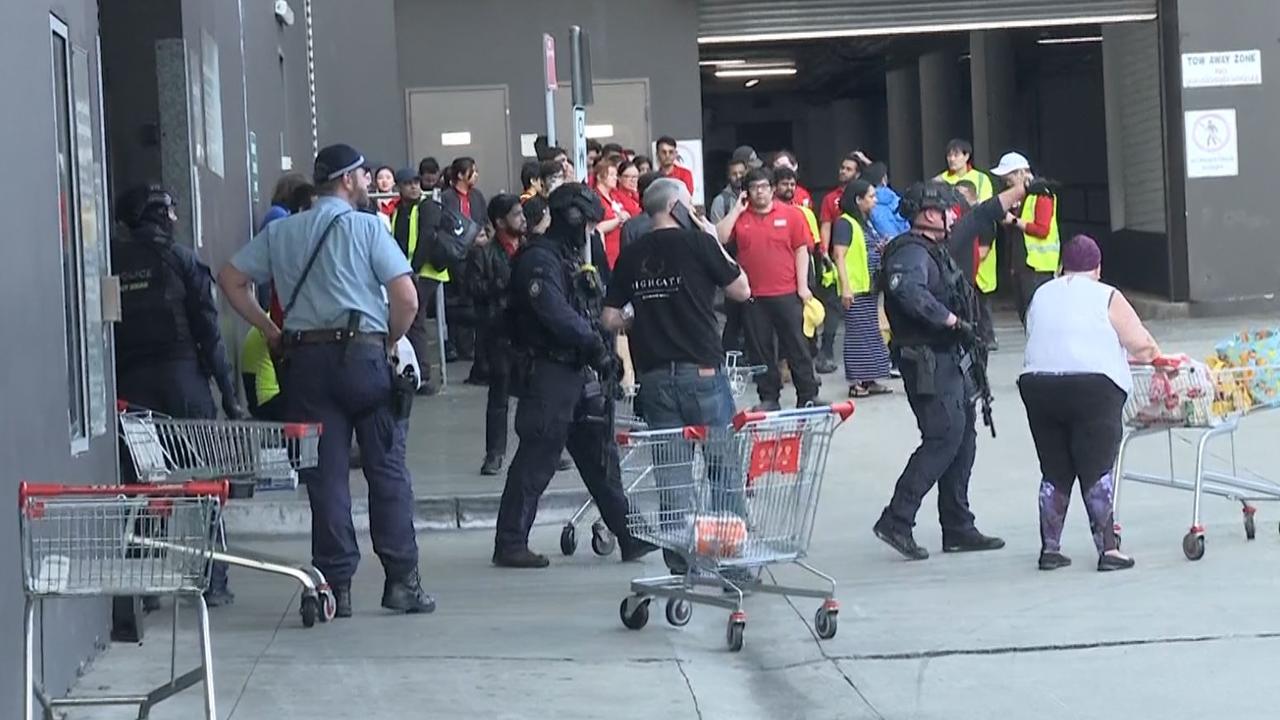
x=928 y=195
x=574 y=205
x=144 y=203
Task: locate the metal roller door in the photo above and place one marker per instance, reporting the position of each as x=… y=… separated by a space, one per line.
x=730 y=21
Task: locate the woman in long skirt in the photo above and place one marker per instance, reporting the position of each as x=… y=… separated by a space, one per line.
x=856 y=248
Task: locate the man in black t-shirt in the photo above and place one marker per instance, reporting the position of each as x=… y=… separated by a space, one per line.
x=670 y=277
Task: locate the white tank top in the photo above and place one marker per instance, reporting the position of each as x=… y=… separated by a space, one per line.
x=1069 y=331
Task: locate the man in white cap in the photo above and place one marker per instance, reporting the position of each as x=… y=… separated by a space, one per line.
x=1035 y=229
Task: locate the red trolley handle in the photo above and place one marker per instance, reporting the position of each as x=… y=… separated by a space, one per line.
x=843 y=409
x=220 y=489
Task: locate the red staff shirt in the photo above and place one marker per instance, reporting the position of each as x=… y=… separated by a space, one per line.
x=767 y=247
x=831 y=206
x=681 y=174
x=803 y=198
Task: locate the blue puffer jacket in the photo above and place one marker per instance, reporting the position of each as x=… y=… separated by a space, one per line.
x=884 y=216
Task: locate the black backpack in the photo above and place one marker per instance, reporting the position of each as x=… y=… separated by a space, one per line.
x=452 y=239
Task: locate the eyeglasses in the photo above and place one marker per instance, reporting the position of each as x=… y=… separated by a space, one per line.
x=758 y=186
x=631 y=176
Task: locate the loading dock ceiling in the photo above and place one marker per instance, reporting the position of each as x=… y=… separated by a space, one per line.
x=738 y=21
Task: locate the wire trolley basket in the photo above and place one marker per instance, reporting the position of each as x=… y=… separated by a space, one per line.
x=164 y=448
x=730 y=501
x=255 y=456
x=105 y=541
x=1198 y=403
x=628 y=417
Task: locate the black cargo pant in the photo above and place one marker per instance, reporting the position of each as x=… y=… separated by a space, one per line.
x=775 y=331
x=948 y=442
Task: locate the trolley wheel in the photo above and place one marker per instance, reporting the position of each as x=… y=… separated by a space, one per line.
x=328 y=605
x=638 y=618
x=679 y=611
x=310 y=609
x=602 y=541
x=824 y=622
x=1193 y=546
x=568 y=540
x=733 y=634
x=1250 y=527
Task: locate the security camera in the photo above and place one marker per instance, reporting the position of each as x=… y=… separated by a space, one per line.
x=284 y=13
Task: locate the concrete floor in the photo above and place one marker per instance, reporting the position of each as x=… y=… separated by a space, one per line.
x=954 y=637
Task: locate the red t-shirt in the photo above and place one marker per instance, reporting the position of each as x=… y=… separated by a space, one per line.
x=681 y=174
x=802 y=198
x=831 y=206
x=612 y=239
x=767 y=247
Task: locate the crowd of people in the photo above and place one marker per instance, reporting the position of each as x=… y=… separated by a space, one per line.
x=567 y=288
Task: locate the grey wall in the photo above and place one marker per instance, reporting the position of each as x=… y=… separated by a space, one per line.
x=360 y=100
x=279 y=111
x=495 y=42
x=34 y=444
x=1232 y=253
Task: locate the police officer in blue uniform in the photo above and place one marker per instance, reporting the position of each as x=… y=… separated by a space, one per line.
x=564 y=368
x=331 y=265
x=168 y=343
x=932 y=308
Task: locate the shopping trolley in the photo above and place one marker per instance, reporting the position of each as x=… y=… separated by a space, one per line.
x=120 y=540
x=627 y=417
x=255 y=456
x=1174 y=395
x=731 y=501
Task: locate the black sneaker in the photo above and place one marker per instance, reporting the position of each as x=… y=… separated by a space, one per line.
x=767 y=406
x=342 y=599
x=522 y=558
x=633 y=549
x=1053 y=560
x=565 y=463
x=1110 y=563
x=825 y=366
x=405 y=595
x=973 y=542
x=492 y=465
x=427 y=389
x=900 y=541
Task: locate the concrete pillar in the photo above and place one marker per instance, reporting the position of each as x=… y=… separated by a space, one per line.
x=902 y=92
x=941 y=107
x=994 y=85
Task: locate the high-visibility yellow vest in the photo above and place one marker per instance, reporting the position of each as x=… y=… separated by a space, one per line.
x=856 y=266
x=1042 y=255
x=428 y=271
x=980 y=180
x=829 y=277
x=988 y=272
x=255 y=360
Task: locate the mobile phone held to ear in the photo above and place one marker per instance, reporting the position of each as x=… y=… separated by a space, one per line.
x=681 y=215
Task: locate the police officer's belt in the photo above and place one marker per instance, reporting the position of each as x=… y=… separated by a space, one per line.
x=334 y=337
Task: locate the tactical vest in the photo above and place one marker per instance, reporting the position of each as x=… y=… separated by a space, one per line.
x=153 y=299
x=953 y=290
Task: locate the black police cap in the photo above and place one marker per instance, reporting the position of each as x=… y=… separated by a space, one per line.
x=928 y=195
x=335 y=161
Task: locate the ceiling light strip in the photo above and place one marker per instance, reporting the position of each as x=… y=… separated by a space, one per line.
x=922 y=29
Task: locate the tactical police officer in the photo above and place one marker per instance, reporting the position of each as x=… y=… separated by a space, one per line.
x=168 y=344
x=331 y=265
x=563 y=368
x=932 y=309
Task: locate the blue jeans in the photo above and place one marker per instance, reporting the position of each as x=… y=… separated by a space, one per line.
x=681 y=395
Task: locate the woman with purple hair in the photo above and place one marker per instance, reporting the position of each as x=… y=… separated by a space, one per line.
x=1081 y=333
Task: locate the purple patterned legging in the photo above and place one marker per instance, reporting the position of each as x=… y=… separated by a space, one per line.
x=1055 y=496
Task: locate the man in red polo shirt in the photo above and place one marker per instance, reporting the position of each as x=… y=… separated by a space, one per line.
x=668 y=152
x=773 y=240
